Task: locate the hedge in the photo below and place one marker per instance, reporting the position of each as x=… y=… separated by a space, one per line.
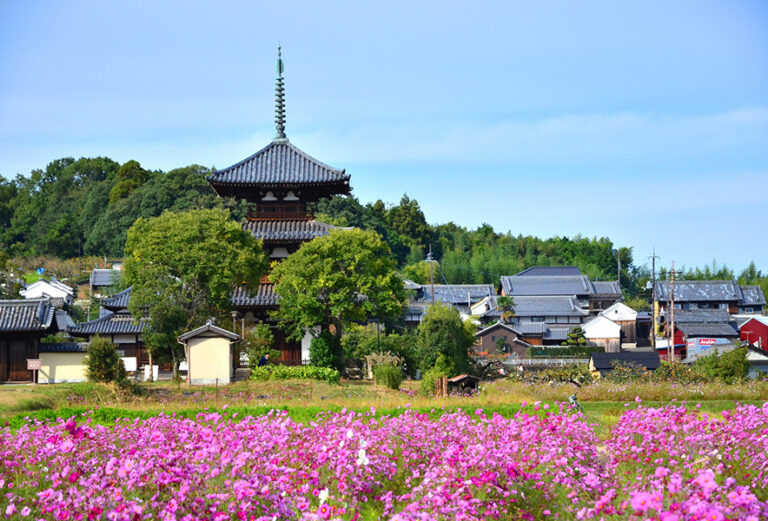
x=297 y=372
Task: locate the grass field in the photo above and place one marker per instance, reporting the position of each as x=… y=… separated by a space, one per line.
x=603 y=402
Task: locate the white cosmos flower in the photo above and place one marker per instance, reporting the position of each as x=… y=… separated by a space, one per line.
x=362 y=458
x=323 y=496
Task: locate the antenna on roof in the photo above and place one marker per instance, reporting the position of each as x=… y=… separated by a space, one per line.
x=280 y=99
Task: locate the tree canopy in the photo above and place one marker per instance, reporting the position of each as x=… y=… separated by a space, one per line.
x=332 y=281
x=183 y=266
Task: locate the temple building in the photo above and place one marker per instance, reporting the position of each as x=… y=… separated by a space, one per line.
x=280 y=182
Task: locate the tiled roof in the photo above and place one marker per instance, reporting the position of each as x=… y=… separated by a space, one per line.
x=557 y=285
x=63 y=320
x=558 y=332
x=279 y=163
x=531 y=328
x=114 y=323
x=607 y=287
x=26 y=315
x=273 y=231
x=211 y=330
x=457 y=293
x=698 y=291
x=716 y=329
x=549 y=271
x=264 y=296
x=498 y=325
x=117 y=301
x=647 y=359
x=752 y=296
x=700 y=316
x=104 y=277
x=536 y=306
x=63 y=347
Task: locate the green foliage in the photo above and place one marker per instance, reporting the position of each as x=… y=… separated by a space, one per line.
x=442 y=332
x=102 y=362
x=577 y=351
x=729 y=367
x=299 y=372
x=9 y=285
x=627 y=372
x=259 y=342
x=389 y=376
x=325 y=351
x=576 y=338
x=678 y=372
x=638 y=303
x=443 y=367
x=501 y=344
x=182 y=268
x=359 y=342
x=333 y=281
x=578 y=373
x=506 y=305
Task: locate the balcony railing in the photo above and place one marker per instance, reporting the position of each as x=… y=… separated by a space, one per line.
x=275 y=212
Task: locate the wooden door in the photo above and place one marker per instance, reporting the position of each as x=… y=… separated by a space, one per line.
x=19 y=351
x=4 y=360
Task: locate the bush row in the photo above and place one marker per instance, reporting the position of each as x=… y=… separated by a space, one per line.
x=299 y=372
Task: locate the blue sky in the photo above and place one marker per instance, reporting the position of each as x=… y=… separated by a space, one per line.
x=646 y=122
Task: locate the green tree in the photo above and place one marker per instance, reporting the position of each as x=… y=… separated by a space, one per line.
x=333 y=281
x=102 y=363
x=259 y=342
x=728 y=367
x=442 y=332
x=507 y=307
x=325 y=351
x=182 y=268
x=575 y=338
x=130 y=176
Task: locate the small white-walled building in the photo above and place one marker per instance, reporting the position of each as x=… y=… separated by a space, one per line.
x=209 y=354
x=603 y=332
x=59 y=293
x=624 y=316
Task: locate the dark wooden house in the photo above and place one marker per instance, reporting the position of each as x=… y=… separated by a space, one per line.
x=22 y=324
x=280 y=182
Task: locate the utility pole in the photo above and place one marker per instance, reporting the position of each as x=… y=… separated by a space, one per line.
x=653 y=298
x=618 y=263
x=431 y=274
x=672 y=315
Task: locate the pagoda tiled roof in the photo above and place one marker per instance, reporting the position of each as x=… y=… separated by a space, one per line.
x=278 y=164
x=117 y=301
x=287 y=230
x=264 y=296
x=112 y=324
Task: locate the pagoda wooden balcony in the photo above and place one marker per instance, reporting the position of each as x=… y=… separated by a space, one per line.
x=282 y=212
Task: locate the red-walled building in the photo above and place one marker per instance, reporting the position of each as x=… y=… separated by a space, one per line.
x=755 y=331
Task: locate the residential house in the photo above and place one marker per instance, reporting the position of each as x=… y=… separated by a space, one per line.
x=487 y=341
x=600 y=331
x=697 y=328
x=116 y=324
x=562 y=281
x=103 y=280
x=601 y=364
x=59 y=293
x=754 y=331
x=22 y=324
x=709 y=294
x=460 y=296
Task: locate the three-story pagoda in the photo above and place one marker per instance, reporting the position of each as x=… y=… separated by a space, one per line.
x=280 y=181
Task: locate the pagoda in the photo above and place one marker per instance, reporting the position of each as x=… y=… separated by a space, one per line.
x=279 y=181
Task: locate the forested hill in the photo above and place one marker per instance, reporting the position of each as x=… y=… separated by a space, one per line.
x=85 y=206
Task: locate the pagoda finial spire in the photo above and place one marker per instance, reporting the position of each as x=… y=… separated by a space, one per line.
x=280 y=99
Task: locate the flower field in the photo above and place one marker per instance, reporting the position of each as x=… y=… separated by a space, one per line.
x=669 y=463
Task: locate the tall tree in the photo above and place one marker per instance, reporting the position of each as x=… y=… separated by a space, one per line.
x=183 y=267
x=442 y=332
x=332 y=281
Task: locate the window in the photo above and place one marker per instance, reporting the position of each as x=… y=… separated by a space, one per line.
x=748 y=310
x=574 y=320
x=537 y=319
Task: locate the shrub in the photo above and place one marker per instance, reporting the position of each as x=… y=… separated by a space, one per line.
x=566 y=350
x=325 y=351
x=624 y=372
x=578 y=373
x=257 y=343
x=302 y=372
x=102 y=362
x=442 y=367
x=442 y=332
x=389 y=376
x=677 y=372
x=728 y=367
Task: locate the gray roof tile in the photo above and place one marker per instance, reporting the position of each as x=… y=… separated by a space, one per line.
x=557 y=285
x=26 y=315
x=531 y=328
x=279 y=163
x=264 y=296
x=63 y=320
x=63 y=347
x=558 y=332
x=117 y=301
x=114 y=323
x=717 y=329
x=752 y=296
x=607 y=287
x=209 y=330
x=647 y=359
x=548 y=306
x=457 y=293
x=105 y=277
x=549 y=271
x=700 y=316
x=699 y=291
x=289 y=231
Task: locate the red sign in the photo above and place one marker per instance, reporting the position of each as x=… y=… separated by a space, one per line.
x=34 y=364
x=706 y=341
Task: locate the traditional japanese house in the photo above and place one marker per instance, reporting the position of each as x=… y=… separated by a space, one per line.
x=116 y=324
x=710 y=294
x=280 y=182
x=22 y=324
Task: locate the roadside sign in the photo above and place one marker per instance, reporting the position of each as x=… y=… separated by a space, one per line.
x=34 y=364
